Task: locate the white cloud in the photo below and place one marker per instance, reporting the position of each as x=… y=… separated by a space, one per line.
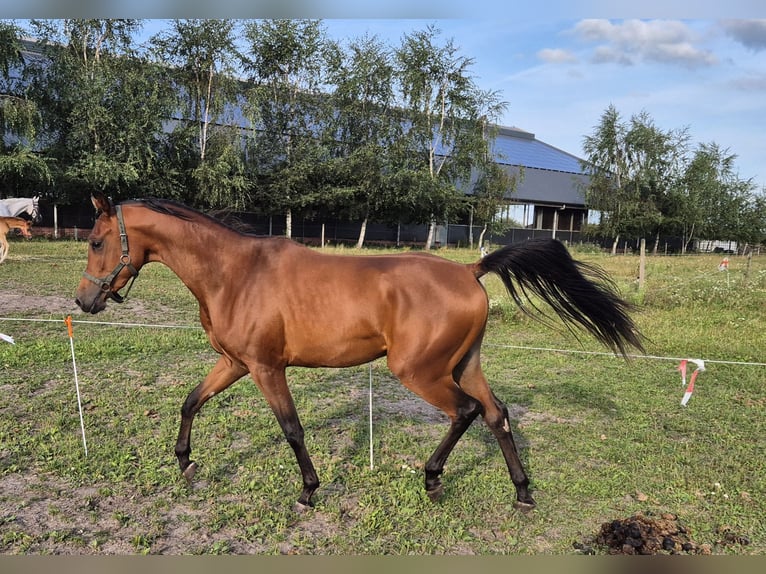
x=556 y=56
x=609 y=54
x=750 y=33
x=634 y=41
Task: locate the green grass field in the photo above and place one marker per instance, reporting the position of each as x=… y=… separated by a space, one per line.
x=601 y=438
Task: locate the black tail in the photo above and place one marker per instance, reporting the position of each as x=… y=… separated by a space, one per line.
x=580 y=293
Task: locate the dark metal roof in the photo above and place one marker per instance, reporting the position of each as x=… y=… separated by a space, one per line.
x=549 y=187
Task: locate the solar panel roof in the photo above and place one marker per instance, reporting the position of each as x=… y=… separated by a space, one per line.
x=516 y=147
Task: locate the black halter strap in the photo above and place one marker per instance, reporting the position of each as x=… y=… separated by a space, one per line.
x=106 y=282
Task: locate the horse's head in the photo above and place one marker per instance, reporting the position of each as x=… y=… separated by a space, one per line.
x=109 y=261
x=24 y=228
x=34 y=210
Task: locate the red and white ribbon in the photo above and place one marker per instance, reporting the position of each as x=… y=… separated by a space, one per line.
x=690 y=387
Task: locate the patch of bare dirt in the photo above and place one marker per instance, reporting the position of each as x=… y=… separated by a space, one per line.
x=64 y=521
x=12 y=303
x=39 y=515
x=398 y=401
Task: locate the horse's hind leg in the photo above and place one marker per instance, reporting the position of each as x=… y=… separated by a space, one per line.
x=495 y=413
x=466 y=411
x=224 y=373
x=442 y=392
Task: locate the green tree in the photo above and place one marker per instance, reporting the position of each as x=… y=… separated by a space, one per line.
x=712 y=202
x=444 y=111
x=633 y=169
x=102 y=107
x=205 y=62
x=22 y=170
x=492 y=187
x=287 y=62
x=750 y=226
x=365 y=126
x=655 y=163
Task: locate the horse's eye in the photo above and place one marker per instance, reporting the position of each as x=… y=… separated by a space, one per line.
x=96 y=245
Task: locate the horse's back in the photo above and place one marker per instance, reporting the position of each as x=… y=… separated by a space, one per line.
x=371 y=281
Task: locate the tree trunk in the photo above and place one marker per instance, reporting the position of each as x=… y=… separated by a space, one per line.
x=481 y=236
x=362 y=233
x=614 y=245
x=470 y=230
x=431 y=232
x=687 y=239
x=289 y=223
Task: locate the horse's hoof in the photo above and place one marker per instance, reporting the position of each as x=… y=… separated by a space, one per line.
x=435 y=493
x=524 y=507
x=189 y=471
x=300 y=508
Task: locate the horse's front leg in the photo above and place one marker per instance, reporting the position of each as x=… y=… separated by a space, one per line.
x=224 y=373
x=273 y=384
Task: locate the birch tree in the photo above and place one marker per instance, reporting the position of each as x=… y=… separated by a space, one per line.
x=205 y=63
x=102 y=108
x=634 y=167
x=365 y=126
x=286 y=61
x=21 y=170
x=444 y=111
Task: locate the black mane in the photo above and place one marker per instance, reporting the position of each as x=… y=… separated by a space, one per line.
x=181 y=211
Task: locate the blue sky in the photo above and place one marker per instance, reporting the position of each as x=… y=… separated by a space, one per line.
x=559 y=75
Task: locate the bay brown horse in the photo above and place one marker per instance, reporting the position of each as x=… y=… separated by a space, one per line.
x=269 y=303
x=8 y=223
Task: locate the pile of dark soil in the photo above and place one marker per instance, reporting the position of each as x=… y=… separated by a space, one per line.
x=655 y=534
x=642 y=534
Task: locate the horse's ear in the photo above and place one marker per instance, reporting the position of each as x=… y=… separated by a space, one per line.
x=102 y=203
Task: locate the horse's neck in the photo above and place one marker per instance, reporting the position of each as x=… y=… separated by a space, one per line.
x=16 y=223
x=190 y=249
x=8 y=223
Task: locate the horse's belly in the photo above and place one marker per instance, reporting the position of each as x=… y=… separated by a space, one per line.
x=329 y=350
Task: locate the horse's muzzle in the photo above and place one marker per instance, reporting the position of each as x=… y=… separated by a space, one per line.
x=91 y=300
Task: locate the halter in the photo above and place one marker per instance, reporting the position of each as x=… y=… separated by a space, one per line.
x=106 y=282
x=35 y=213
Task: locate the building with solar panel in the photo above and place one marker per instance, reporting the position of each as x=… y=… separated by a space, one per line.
x=549 y=194
x=549 y=197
